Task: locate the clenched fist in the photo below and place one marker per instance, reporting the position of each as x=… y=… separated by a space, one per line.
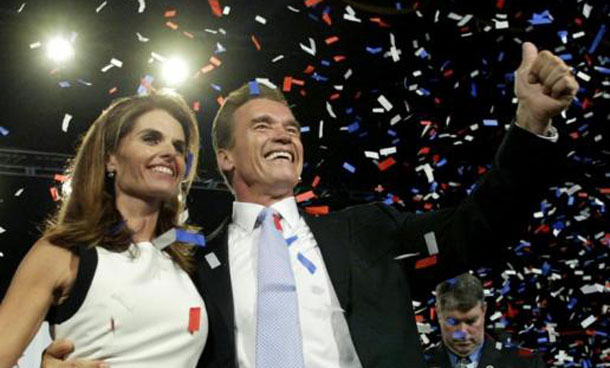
x=544 y=87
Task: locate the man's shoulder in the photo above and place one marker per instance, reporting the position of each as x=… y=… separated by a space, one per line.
x=497 y=355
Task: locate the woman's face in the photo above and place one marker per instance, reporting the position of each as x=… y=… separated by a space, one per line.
x=149 y=163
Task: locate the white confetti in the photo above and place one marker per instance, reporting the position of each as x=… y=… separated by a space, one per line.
x=431 y=243
x=329 y=108
x=260 y=19
x=66 y=122
x=100 y=7
x=142 y=38
x=18 y=193
x=385 y=103
x=142 y=6
x=2 y=230
x=226 y=10
x=586 y=10
x=21 y=8
x=312 y=47
x=387 y=151
x=277 y=58
x=583 y=76
x=588 y=321
x=116 y=62
x=371 y=154
x=35 y=45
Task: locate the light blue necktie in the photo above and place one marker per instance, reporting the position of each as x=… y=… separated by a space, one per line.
x=278 y=333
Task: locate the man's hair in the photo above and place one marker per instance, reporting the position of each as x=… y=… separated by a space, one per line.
x=462 y=293
x=222 y=128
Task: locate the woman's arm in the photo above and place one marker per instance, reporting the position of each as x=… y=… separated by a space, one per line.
x=45 y=276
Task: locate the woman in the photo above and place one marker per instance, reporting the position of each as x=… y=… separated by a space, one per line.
x=95 y=274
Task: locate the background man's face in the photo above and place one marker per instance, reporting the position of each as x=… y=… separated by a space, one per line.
x=267 y=153
x=463 y=332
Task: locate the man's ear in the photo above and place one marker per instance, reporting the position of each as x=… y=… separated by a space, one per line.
x=225 y=160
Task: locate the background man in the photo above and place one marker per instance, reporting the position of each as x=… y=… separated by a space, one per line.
x=461 y=308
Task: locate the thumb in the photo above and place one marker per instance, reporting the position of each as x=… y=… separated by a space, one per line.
x=529 y=52
x=59 y=348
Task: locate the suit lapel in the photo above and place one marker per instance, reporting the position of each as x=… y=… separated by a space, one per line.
x=332 y=235
x=489 y=354
x=216 y=280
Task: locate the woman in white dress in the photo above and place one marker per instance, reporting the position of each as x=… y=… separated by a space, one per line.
x=96 y=274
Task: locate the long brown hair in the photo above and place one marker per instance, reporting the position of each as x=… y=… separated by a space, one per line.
x=88 y=214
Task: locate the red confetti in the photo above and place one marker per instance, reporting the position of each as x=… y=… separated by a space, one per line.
x=194 y=319
x=256 y=43
x=196 y=106
x=188 y=34
x=171 y=25
x=54 y=193
x=215 y=6
x=215 y=61
x=331 y=40
x=276 y=221
x=326 y=18
x=317 y=210
x=310 y=69
x=425 y=262
x=305 y=196
x=316 y=181
x=170 y=13
x=386 y=164
x=113 y=90
x=287 y=84
x=310 y=3
x=339 y=58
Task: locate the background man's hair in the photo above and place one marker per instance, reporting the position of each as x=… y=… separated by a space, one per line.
x=463 y=293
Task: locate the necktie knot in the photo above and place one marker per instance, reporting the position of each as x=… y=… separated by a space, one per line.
x=463 y=362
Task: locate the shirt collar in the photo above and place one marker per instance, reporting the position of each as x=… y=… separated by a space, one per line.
x=245 y=213
x=474 y=357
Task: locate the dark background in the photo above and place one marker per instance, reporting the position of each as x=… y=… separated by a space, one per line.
x=442 y=95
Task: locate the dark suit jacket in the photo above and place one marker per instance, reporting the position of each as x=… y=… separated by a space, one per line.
x=491 y=357
x=359 y=244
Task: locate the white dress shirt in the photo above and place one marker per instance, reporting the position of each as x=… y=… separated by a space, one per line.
x=325 y=335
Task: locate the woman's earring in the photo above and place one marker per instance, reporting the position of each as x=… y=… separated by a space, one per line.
x=110 y=174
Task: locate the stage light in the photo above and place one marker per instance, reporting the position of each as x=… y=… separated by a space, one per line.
x=60 y=50
x=175 y=71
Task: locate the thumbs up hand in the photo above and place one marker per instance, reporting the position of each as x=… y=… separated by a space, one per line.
x=544 y=87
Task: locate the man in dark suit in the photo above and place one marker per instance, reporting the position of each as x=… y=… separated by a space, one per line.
x=461 y=308
x=353 y=300
x=364 y=316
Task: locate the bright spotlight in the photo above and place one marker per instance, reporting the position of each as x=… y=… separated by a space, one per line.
x=59 y=50
x=175 y=71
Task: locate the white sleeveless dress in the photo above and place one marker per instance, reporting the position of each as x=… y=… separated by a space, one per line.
x=139 y=311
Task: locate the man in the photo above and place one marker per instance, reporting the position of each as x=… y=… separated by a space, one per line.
x=343 y=300
x=461 y=308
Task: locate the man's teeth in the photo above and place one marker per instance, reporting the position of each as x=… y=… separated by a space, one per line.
x=163 y=169
x=279 y=154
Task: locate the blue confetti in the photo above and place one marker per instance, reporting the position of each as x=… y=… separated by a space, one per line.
x=490 y=122
x=188 y=237
x=374 y=50
x=291 y=240
x=4 y=131
x=353 y=127
x=349 y=167
x=542 y=18
x=598 y=38
x=254 y=88
x=305 y=129
x=307 y=263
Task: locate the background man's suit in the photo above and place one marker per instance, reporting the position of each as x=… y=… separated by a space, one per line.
x=359 y=244
x=491 y=357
